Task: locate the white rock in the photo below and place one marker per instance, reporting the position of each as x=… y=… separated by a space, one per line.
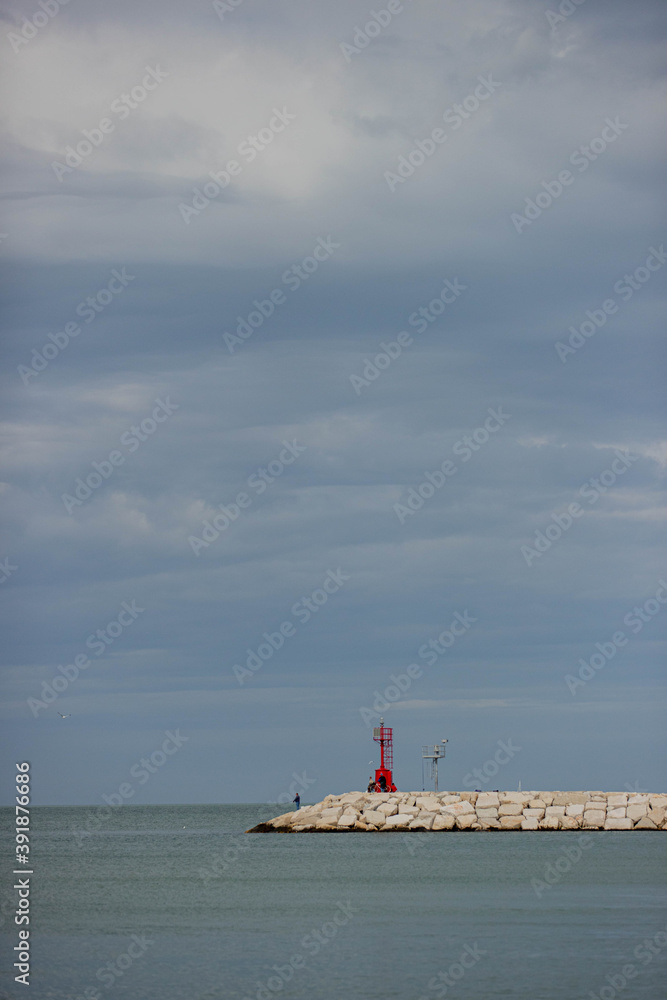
x=332 y=815
x=488 y=800
x=594 y=818
x=637 y=811
x=530 y=823
x=555 y=811
x=645 y=824
x=449 y=797
x=469 y=797
x=459 y=809
x=352 y=797
x=510 y=809
x=618 y=812
x=618 y=824
x=429 y=802
x=570 y=822
x=570 y=798
x=617 y=799
x=372 y=816
x=444 y=822
x=486 y=814
x=388 y=808
x=466 y=821
x=511 y=822
x=658 y=801
x=347 y=820
x=638 y=798
x=550 y=823
x=521 y=798
x=537 y=804
x=405 y=808
x=532 y=813
x=396 y=821
x=576 y=809
x=423 y=822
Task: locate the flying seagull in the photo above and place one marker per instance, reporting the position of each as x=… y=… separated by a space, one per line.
x=64 y=716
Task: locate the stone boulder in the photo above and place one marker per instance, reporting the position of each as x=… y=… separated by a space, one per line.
x=445 y=821
x=530 y=823
x=388 y=808
x=397 y=821
x=459 y=809
x=637 y=811
x=617 y=799
x=645 y=824
x=570 y=799
x=487 y=800
x=616 y=812
x=486 y=814
x=374 y=817
x=465 y=822
x=510 y=809
x=594 y=819
x=511 y=822
x=618 y=824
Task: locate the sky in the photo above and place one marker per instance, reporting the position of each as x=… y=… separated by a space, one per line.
x=371 y=425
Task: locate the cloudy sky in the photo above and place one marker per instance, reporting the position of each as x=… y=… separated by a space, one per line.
x=200 y=448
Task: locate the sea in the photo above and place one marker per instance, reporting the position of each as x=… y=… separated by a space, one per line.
x=178 y=903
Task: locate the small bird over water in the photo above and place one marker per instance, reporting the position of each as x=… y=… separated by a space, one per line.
x=64 y=716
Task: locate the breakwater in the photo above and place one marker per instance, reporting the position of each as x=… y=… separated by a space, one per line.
x=374 y=812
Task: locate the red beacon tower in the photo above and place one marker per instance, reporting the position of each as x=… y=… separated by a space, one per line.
x=383 y=774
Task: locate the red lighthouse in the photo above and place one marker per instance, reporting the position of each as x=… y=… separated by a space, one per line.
x=383 y=774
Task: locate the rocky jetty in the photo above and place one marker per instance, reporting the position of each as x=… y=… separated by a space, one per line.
x=376 y=812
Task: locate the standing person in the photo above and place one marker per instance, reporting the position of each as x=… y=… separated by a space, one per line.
x=297 y=799
x=371 y=784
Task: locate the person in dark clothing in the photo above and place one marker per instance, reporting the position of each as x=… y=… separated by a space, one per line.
x=297 y=799
x=383 y=783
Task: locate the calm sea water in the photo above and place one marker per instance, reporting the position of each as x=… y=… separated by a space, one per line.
x=384 y=916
